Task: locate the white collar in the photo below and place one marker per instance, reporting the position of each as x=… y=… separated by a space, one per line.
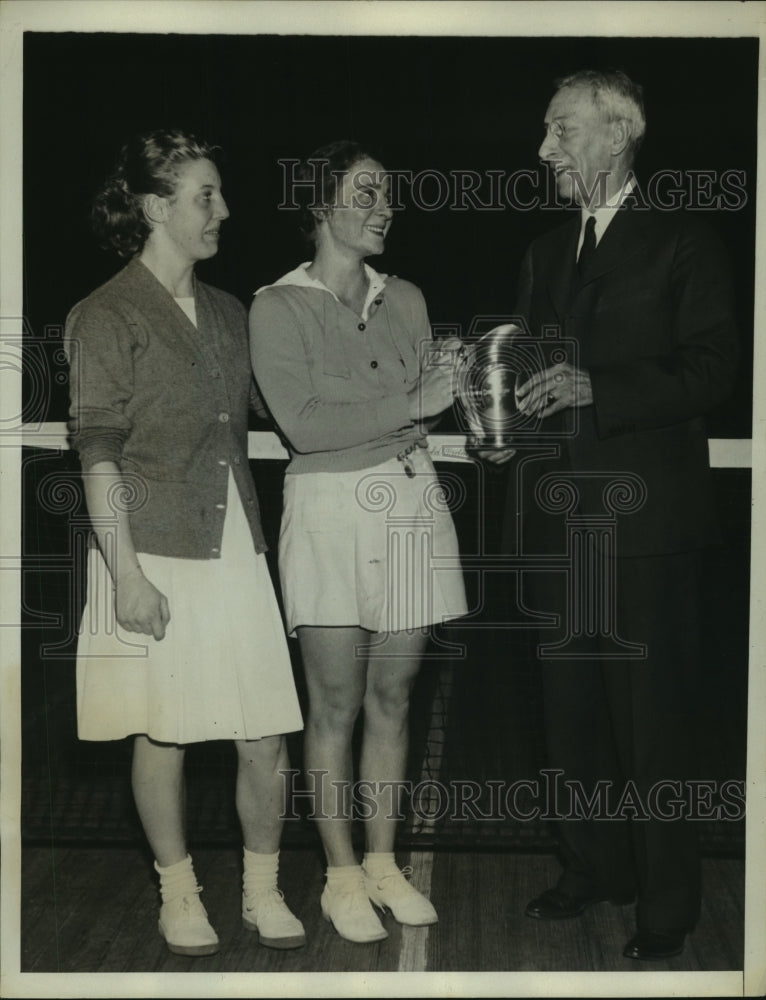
x=299 y=276
x=606 y=213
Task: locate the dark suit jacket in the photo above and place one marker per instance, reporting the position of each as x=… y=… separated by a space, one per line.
x=653 y=324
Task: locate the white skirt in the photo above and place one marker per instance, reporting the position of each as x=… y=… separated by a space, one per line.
x=371 y=548
x=222 y=670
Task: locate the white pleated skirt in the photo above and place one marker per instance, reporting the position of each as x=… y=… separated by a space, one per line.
x=372 y=548
x=223 y=669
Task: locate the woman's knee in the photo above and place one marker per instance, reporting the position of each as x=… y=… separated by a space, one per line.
x=389 y=697
x=334 y=708
x=335 y=703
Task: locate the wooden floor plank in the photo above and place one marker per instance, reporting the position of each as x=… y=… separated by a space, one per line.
x=88 y=909
x=722 y=907
x=490 y=937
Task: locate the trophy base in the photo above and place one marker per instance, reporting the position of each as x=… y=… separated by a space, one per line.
x=492 y=442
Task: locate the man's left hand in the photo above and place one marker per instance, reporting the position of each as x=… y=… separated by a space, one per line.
x=555 y=389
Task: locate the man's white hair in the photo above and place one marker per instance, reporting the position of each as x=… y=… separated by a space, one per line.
x=616 y=96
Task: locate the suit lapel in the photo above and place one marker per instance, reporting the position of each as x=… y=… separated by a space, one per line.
x=625 y=236
x=562 y=280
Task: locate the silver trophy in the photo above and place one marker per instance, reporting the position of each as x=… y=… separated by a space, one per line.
x=496 y=363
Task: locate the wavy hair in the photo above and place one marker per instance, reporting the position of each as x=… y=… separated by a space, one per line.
x=616 y=96
x=319 y=176
x=147 y=164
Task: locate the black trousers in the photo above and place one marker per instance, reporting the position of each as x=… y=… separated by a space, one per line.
x=625 y=728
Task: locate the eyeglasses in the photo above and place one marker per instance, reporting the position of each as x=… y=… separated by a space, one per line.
x=555 y=128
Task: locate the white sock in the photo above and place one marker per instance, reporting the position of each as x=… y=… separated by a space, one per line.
x=260 y=860
x=259 y=870
x=177 y=880
x=375 y=862
x=340 y=873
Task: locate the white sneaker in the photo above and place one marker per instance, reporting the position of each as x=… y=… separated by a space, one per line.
x=184 y=925
x=266 y=912
x=346 y=905
x=394 y=892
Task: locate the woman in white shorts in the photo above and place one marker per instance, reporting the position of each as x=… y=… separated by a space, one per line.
x=181 y=638
x=368 y=553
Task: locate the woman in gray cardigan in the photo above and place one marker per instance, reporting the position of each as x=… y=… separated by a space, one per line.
x=181 y=638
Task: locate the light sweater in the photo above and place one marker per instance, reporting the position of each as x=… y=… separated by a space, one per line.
x=337 y=383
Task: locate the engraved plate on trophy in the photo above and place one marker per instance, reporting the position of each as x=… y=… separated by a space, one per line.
x=498 y=361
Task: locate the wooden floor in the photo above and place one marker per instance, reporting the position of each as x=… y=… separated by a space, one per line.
x=87 y=909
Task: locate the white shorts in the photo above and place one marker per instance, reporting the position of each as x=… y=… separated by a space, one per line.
x=371 y=548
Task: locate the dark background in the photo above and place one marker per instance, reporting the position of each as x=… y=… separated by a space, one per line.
x=424 y=104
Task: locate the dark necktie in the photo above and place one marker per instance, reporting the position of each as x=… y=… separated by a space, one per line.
x=588 y=247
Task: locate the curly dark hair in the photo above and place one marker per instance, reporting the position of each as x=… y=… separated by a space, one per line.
x=319 y=176
x=147 y=164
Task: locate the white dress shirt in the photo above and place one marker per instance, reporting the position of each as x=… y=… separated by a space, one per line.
x=603 y=215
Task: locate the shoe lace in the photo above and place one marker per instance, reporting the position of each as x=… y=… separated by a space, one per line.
x=188 y=897
x=399 y=873
x=263 y=896
x=190 y=905
x=349 y=888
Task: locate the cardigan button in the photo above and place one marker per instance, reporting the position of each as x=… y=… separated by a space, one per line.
x=373 y=364
x=223 y=417
x=378 y=301
x=361 y=326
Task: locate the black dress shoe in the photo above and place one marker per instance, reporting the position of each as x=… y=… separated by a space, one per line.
x=553 y=904
x=649 y=945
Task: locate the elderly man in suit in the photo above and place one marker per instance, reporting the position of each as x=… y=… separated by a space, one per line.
x=647 y=345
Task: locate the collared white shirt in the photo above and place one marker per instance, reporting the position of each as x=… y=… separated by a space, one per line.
x=603 y=215
x=299 y=276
